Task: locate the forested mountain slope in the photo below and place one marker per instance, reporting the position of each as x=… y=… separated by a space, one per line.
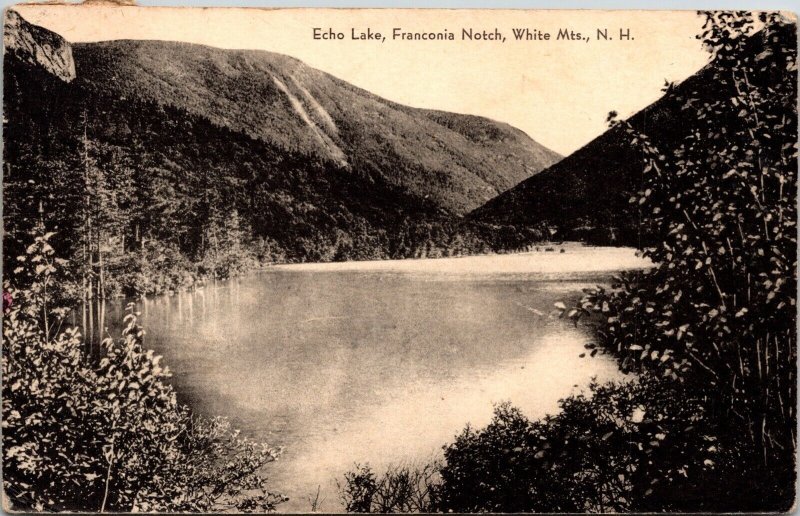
x=457 y=161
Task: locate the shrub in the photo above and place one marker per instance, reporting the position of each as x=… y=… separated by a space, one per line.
x=642 y=445
x=109 y=436
x=398 y=489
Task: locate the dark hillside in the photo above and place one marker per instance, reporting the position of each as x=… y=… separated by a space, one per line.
x=586 y=195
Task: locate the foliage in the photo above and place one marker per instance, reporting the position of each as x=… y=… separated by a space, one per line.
x=398 y=489
x=643 y=445
x=108 y=436
x=718 y=308
x=224 y=255
x=154 y=269
x=717 y=311
x=640 y=445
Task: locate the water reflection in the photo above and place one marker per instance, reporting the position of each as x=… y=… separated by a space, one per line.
x=374 y=365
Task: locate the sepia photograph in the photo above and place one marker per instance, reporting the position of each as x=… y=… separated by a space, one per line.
x=317 y=260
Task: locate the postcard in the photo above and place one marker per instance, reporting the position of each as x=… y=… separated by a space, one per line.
x=398 y=260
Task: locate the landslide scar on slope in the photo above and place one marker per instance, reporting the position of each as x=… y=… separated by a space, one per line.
x=323 y=114
x=333 y=150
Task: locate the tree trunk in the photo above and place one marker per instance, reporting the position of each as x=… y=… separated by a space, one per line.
x=101 y=288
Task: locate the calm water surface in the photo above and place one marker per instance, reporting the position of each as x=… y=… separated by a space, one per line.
x=377 y=362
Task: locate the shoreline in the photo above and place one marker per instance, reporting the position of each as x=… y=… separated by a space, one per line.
x=567 y=258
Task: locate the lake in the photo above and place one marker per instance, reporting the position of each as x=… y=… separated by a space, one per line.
x=378 y=362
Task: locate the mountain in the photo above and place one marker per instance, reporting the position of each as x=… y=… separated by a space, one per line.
x=586 y=195
x=457 y=161
x=156 y=158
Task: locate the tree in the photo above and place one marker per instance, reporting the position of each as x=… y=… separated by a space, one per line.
x=224 y=253
x=717 y=311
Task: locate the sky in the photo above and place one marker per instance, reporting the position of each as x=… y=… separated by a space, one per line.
x=558 y=91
